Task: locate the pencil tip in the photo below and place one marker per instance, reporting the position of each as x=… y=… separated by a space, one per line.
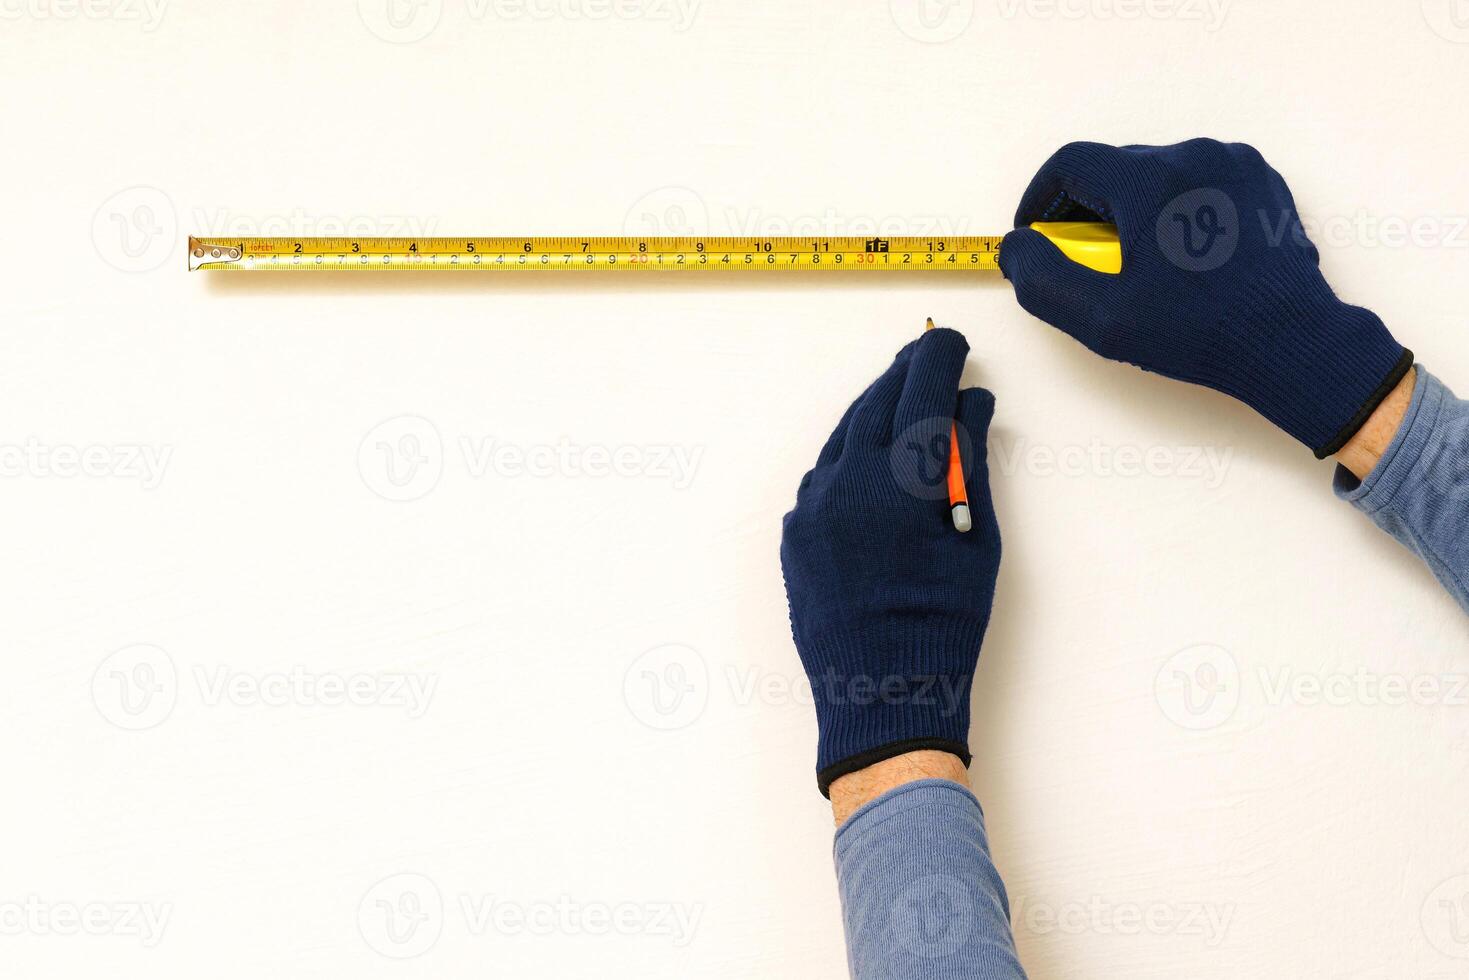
x=930 y=324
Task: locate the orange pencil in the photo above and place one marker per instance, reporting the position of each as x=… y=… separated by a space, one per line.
x=958 y=496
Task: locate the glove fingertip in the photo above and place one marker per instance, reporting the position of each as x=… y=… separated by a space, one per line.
x=976 y=411
x=1036 y=265
x=1018 y=252
x=1048 y=285
x=944 y=342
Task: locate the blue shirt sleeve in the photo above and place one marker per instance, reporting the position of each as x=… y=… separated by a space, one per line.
x=1419 y=490
x=920 y=896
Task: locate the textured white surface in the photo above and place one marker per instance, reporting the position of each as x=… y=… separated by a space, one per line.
x=1280 y=836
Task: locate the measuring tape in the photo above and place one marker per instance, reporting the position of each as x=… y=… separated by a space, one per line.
x=1092 y=244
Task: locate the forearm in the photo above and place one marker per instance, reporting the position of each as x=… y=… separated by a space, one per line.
x=855 y=790
x=920 y=895
x=1364 y=450
x=1416 y=486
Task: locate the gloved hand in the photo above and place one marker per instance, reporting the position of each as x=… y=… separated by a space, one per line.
x=889 y=603
x=1219 y=284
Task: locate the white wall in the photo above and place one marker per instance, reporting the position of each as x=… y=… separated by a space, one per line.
x=1324 y=838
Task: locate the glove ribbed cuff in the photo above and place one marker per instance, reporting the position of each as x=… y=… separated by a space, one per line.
x=1375 y=398
x=869 y=709
x=1329 y=364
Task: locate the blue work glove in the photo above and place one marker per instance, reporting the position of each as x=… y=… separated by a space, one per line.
x=889 y=603
x=1219 y=284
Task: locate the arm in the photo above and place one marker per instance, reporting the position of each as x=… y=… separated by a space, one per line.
x=889 y=605
x=1221 y=287
x=1409 y=472
x=920 y=895
x=1364 y=450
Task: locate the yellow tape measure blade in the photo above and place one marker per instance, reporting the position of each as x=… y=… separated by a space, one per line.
x=965 y=253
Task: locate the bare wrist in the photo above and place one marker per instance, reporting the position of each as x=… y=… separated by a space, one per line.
x=1365 y=448
x=852 y=791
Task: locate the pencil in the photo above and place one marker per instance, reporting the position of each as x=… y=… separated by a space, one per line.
x=958 y=496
